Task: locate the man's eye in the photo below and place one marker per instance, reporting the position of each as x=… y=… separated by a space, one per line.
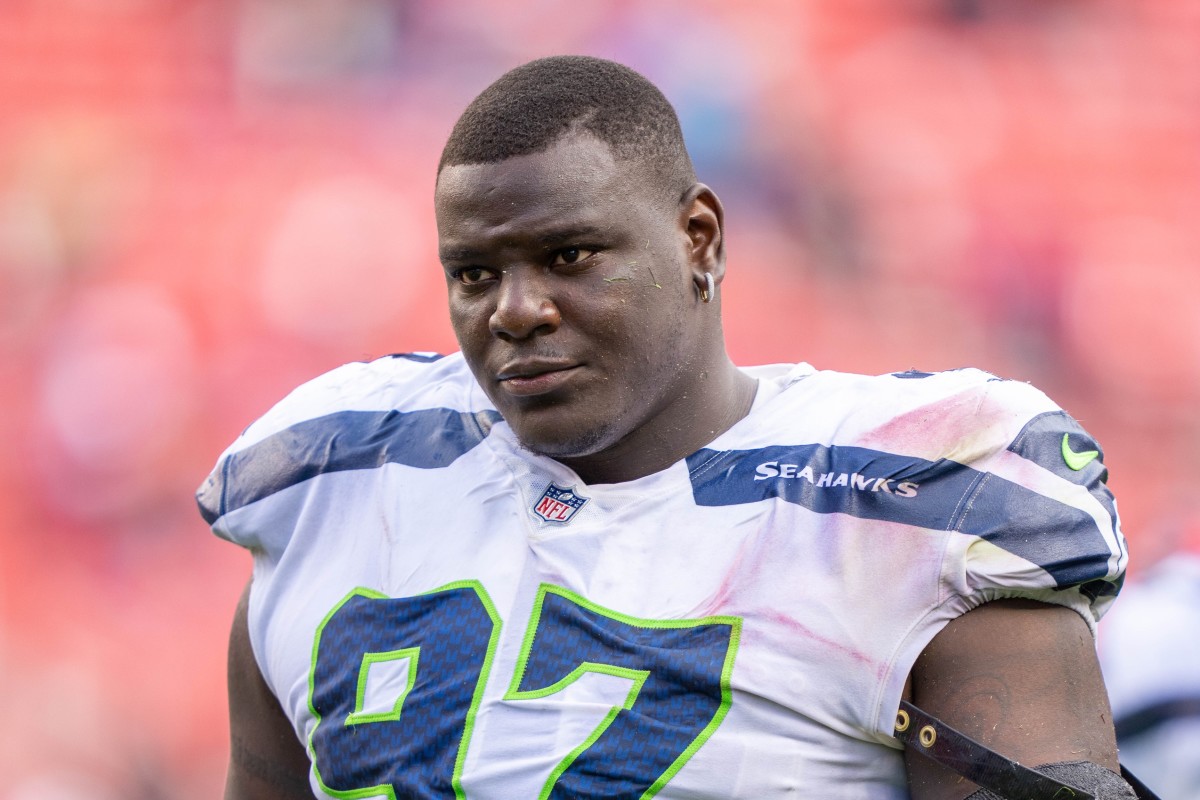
x=571 y=255
x=470 y=276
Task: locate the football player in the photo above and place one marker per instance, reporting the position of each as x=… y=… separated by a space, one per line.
x=589 y=556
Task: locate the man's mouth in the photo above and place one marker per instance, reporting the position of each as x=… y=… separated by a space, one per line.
x=527 y=378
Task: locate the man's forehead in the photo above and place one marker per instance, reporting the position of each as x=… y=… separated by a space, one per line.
x=576 y=185
x=569 y=163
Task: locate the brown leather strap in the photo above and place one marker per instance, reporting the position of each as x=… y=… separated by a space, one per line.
x=936 y=740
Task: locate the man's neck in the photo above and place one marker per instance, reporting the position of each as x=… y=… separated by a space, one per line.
x=720 y=400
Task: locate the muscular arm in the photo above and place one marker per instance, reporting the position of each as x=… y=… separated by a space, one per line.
x=1020 y=677
x=267 y=761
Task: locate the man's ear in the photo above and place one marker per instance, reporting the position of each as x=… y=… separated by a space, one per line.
x=703 y=217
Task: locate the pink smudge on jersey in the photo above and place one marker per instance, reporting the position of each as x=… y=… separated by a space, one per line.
x=720 y=601
x=799 y=629
x=748 y=570
x=961 y=427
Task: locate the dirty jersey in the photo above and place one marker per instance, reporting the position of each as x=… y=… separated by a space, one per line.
x=442 y=613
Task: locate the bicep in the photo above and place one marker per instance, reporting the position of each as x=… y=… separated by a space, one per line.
x=267 y=761
x=1020 y=677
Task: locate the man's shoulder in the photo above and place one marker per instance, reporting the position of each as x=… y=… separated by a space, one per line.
x=417 y=410
x=913 y=386
x=964 y=416
x=960 y=451
x=947 y=414
x=396 y=383
x=395 y=380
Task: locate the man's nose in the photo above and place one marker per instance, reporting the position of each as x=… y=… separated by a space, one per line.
x=524 y=306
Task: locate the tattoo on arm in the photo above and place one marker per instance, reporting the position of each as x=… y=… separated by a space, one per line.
x=263 y=769
x=981 y=704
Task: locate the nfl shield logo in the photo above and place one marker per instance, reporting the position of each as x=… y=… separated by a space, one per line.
x=558 y=505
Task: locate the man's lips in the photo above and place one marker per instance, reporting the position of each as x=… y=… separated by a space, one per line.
x=533 y=378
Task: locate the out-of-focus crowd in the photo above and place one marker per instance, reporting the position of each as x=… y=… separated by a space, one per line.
x=203 y=203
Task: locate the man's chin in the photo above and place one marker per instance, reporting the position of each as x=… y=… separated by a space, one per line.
x=560 y=442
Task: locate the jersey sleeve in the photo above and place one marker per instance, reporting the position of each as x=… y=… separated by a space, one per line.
x=1023 y=511
x=265 y=457
x=1041 y=521
x=359 y=416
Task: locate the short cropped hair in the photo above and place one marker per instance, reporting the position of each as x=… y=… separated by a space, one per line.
x=530 y=108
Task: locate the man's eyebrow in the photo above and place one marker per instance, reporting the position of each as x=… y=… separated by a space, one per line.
x=457 y=255
x=545 y=239
x=560 y=235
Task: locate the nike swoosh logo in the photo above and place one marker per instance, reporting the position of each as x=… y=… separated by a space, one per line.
x=1077 y=461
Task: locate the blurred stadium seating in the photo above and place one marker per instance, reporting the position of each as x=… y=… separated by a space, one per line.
x=204 y=203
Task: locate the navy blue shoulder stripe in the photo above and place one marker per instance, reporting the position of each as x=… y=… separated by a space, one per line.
x=1041 y=440
x=1046 y=439
x=942 y=495
x=426 y=439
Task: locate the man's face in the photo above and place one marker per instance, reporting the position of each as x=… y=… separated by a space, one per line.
x=571 y=289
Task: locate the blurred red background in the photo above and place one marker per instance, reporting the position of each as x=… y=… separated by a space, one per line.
x=204 y=203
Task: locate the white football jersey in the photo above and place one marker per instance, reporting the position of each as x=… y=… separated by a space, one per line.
x=443 y=613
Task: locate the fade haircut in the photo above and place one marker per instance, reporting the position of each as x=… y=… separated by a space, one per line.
x=530 y=108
